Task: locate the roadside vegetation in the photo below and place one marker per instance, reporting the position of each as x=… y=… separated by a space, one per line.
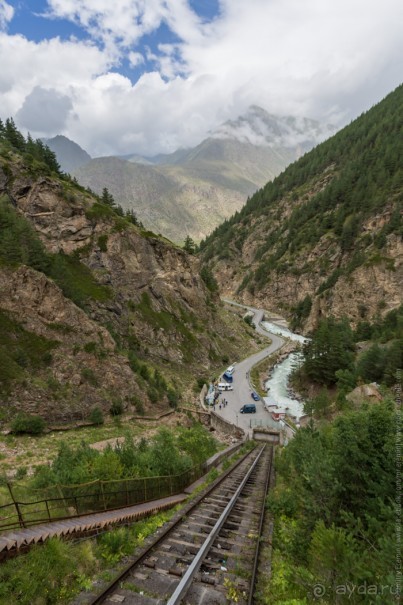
x=167 y=453
x=334 y=512
x=338 y=358
x=334 y=501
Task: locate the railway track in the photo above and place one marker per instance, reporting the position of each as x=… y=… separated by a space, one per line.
x=210 y=554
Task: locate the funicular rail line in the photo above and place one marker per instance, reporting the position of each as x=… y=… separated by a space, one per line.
x=210 y=553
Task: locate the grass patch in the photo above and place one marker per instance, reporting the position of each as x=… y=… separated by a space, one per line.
x=99 y=211
x=20 y=350
x=77 y=281
x=51 y=573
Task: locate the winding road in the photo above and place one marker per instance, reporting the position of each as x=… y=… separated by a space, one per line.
x=242 y=389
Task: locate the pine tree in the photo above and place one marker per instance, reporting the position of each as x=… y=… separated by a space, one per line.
x=132 y=217
x=49 y=157
x=107 y=198
x=13 y=135
x=330 y=349
x=189 y=245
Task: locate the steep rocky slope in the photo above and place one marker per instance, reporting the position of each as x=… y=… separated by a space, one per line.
x=94 y=311
x=325 y=237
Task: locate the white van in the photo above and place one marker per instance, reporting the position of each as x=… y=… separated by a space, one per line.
x=230 y=370
x=225 y=386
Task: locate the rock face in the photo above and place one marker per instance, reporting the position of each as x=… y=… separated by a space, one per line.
x=370 y=289
x=365 y=392
x=153 y=307
x=63 y=391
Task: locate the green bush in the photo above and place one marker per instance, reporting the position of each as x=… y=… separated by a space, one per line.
x=173 y=398
x=22 y=472
x=25 y=423
x=153 y=395
x=90 y=347
x=115 y=544
x=210 y=281
x=89 y=376
x=103 y=243
x=167 y=453
x=139 y=406
x=99 y=211
x=201 y=381
x=116 y=408
x=96 y=416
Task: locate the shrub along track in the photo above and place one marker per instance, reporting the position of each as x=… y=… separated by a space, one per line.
x=210 y=552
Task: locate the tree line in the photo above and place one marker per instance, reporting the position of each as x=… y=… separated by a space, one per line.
x=35 y=152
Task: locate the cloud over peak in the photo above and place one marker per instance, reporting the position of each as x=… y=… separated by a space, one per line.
x=148 y=76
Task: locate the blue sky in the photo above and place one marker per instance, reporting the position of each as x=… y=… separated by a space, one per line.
x=149 y=76
x=31 y=19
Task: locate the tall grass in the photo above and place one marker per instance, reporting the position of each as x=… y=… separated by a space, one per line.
x=47 y=574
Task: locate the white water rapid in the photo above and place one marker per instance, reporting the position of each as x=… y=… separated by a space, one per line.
x=277 y=384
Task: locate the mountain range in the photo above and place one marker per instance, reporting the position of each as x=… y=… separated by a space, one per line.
x=69 y=154
x=191 y=191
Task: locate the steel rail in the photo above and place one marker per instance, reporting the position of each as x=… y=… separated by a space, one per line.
x=259 y=533
x=187 y=579
x=112 y=585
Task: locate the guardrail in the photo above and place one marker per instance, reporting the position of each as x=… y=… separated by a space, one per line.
x=69 y=501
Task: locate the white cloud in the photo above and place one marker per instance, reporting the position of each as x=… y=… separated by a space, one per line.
x=6 y=13
x=124 y=22
x=326 y=60
x=135 y=59
x=45 y=111
x=50 y=64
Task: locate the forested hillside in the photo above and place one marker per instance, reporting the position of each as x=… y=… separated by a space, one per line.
x=324 y=237
x=335 y=520
x=96 y=314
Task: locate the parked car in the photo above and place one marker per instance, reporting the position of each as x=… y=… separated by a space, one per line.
x=248 y=408
x=255 y=396
x=228 y=377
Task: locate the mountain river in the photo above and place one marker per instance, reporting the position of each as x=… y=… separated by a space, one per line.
x=277 y=385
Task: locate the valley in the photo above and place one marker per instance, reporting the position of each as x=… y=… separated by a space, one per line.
x=202 y=186
x=109 y=331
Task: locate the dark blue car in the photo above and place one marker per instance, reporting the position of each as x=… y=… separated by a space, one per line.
x=255 y=396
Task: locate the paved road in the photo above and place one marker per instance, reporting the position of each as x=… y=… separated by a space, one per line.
x=242 y=389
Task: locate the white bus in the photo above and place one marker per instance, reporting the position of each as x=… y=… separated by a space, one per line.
x=225 y=386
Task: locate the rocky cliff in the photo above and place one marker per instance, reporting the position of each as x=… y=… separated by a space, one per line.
x=117 y=314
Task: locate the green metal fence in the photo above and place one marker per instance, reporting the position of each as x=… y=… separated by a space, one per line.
x=63 y=501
